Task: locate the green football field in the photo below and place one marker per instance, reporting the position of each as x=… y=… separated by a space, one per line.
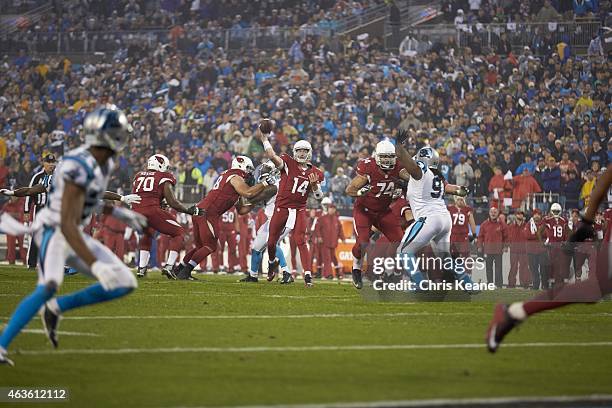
x=217 y=342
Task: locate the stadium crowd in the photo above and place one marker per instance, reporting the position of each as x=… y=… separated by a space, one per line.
x=507 y=124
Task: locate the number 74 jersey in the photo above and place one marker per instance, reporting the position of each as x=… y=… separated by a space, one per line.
x=426 y=195
x=149 y=185
x=294 y=186
x=382 y=185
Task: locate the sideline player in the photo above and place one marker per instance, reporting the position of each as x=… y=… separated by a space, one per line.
x=299 y=177
x=79 y=185
x=462 y=216
x=425 y=193
x=597 y=285
x=153 y=186
x=373 y=187
x=260 y=243
x=227 y=191
x=556 y=231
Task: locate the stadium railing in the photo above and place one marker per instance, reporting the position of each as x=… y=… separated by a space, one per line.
x=86 y=42
x=577 y=34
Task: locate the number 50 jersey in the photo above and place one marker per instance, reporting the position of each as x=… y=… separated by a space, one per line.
x=426 y=196
x=382 y=185
x=294 y=186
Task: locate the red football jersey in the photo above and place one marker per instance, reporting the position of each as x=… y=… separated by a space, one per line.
x=382 y=183
x=294 y=186
x=608 y=218
x=556 y=229
x=222 y=196
x=149 y=185
x=399 y=207
x=228 y=220
x=461 y=222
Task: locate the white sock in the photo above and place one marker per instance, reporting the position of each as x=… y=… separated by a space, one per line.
x=52 y=304
x=517 y=311
x=172 y=255
x=253 y=274
x=357 y=263
x=3 y=350
x=143 y=259
x=193 y=263
x=306 y=273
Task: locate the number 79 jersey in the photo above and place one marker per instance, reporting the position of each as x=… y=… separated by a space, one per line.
x=149 y=185
x=382 y=185
x=426 y=195
x=294 y=186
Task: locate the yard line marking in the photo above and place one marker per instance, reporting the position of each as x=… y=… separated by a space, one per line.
x=63 y=333
x=441 y=402
x=362 y=347
x=224 y=294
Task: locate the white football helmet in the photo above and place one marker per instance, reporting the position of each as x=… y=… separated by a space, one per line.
x=326 y=201
x=158 y=162
x=384 y=154
x=429 y=156
x=555 y=210
x=302 y=151
x=243 y=163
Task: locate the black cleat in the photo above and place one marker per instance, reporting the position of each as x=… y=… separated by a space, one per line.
x=500 y=326
x=168 y=272
x=50 y=323
x=142 y=272
x=182 y=273
x=357 y=280
x=308 y=280
x=249 y=278
x=4 y=360
x=272 y=269
x=287 y=278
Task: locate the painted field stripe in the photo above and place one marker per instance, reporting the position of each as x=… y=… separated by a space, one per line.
x=61 y=333
x=446 y=402
x=358 y=347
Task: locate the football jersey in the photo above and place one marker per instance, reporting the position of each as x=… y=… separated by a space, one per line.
x=426 y=195
x=149 y=185
x=294 y=186
x=608 y=218
x=223 y=195
x=461 y=218
x=556 y=229
x=79 y=167
x=382 y=185
x=228 y=220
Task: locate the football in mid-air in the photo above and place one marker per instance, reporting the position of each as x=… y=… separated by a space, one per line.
x=266 y=125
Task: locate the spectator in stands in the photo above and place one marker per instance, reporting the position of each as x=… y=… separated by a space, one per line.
x=523 y=185
x=338 y=184
x=463 y=172
x=571 y=189
x=551 y=177
x=587 y=187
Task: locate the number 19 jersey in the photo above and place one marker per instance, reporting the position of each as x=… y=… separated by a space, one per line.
x=426 y=195
x=382 y=185
x=294 y=186
x=149 y=185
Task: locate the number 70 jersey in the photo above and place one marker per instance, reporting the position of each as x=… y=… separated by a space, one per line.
x=149 y=185
x=426 y=195
x=294 y=186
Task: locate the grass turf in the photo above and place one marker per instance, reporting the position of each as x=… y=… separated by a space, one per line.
x=221 y=315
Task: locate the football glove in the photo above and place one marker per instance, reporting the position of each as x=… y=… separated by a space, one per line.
x=106 y=275
x=266 y=179
x=7 y=192
x=195 y=211
x=364 y=190
x=136 y=221
x=397 y=193
x=131 y=198
x=463 y=191
x=402 y=135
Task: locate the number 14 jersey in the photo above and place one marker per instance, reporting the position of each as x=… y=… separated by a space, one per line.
x=149 y=185
x=294 y=186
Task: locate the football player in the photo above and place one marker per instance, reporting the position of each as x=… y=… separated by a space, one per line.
x=425 y=193
x=79 y=184
x=153 y=186
x=298 y=178
x=556 y=231
x=462 y=217
x=373 y=187
x=597 y=285
x=227 y=192
x=260 y=243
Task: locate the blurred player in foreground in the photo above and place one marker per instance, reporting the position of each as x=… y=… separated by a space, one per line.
x=506 y=317
x=80 y=182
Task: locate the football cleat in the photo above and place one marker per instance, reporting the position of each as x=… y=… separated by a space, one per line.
x=4 y=360
x=357 y=280
x=249 y=278
x=500 y=326
x=142 y=272
x=50 y=323
x=168 y=272
x=272 y=269
x=287 y=278
x=308 y=280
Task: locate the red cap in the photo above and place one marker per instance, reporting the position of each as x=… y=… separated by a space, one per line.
x=537 y=211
